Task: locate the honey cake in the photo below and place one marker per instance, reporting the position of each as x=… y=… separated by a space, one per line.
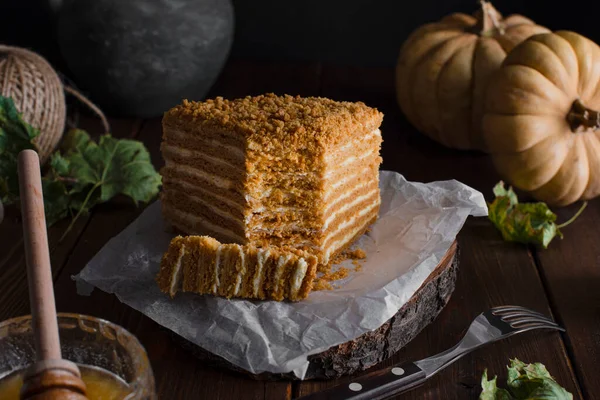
x=203 y=265
x=273 y=171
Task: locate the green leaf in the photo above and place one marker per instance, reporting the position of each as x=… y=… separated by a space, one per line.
x=529 y=223
x=114 y=166
x=59 y=164
x=533 y=381
x=15 y=135
x=56 y=200
x=501 y=191
x=525 y=382
x=82 y=175
x=491 y=391
x=96 y=172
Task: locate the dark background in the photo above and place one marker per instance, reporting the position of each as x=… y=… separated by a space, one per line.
x=342 y=32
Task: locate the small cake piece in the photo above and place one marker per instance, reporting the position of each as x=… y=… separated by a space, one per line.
x=202 y=265
x=273 y=171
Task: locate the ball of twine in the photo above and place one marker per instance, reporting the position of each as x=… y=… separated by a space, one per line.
x=39 y=95
x=37 y=92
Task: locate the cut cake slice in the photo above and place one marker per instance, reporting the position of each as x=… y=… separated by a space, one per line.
x=203 y=265
x=273 y=171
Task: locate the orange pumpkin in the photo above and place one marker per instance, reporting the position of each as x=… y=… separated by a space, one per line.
x=541 y=121
x=444 y=67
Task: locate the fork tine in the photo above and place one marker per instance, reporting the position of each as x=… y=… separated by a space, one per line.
x=530 y=326
x=521 y=321
x=506 y=309
x=521 y=315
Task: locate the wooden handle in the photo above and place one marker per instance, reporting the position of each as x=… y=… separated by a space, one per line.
x=37 y=255
x=377 y=385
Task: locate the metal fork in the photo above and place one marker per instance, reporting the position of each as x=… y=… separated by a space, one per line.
x=490 y=326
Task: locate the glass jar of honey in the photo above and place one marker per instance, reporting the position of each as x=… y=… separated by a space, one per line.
x=113 y=363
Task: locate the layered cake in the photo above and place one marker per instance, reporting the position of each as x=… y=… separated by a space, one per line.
x=272 y=171
x=201 y=264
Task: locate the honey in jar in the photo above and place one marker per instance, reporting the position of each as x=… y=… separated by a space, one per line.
x=101 y=384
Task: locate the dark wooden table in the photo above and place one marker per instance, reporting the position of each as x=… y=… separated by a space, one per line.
x=563 y=281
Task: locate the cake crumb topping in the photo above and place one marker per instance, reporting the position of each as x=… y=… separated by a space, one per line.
x=279 y=117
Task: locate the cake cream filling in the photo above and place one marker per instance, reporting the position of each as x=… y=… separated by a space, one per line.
x=294 y=227
x=328 y=207
x=281 y=262
x=176 y=275
x=298 y=277
x=228 y=201
x=186 y=216
x=215 y=180
x=347 y=206
x=347 y=178
x=291 y=226
x=225 y=183
x=182 y=135
x=217 y=210
x=236 y=150
x=216 y=284
x=261 y=258
x=344 y=196
x=353 y=144
x=332 y=247
x=241 y=272
x=187 y=153
x=349 y=161
x=265 y=191
x=228 y=215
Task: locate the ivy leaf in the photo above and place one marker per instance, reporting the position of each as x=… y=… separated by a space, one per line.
x=533 y=381
x=529 y=223
x=491 y=391
x=113 y=166
x=56 y=200
x=525 y=382
x=82 y=175
x=96 y=172
x=15 y=135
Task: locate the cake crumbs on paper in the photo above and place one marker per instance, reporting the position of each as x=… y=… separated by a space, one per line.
x=357 y=265
x=321 y=284
x=324 y=281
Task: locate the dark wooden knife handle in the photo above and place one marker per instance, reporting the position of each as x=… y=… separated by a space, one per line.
x=375 y=386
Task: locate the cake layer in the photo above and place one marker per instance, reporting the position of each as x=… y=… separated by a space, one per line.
x=213 y=215
x=202 y=265
x=183 y=175
x=212 y=163
x=224 y=203
x=286 y=219
x=191 y=224
x=212 y=140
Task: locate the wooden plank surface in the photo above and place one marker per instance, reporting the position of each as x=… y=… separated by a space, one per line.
x=570 y=269
x=563 y=280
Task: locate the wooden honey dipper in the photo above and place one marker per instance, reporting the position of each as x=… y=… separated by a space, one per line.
x=50 y=377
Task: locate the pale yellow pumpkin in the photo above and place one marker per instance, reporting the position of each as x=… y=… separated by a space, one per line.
x=444 y=67
x=541 y=121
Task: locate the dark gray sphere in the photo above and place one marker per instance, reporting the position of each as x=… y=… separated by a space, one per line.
x=141 y=57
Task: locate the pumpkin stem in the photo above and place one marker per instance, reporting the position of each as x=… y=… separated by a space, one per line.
x=488 y=20
x=574 y=217
x=580 y=116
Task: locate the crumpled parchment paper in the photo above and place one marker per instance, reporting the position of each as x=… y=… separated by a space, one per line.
x=418 y=222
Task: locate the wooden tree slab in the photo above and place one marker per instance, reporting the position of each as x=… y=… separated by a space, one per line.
x=372 y=347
